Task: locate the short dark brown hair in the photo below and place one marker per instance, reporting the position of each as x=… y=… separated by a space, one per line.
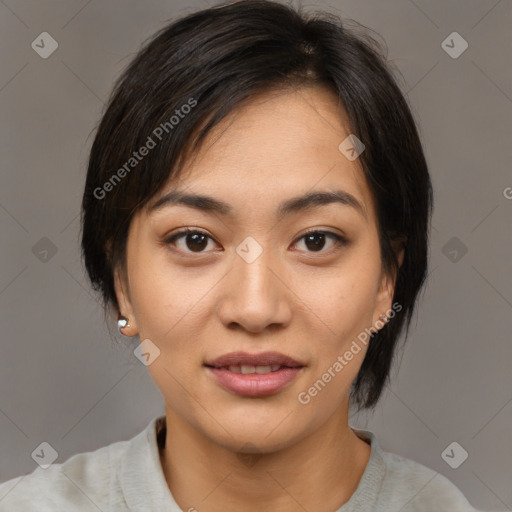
x=194 y=72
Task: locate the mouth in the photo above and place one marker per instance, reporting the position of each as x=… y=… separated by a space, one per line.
x=254 y=375
x=247 y=369
x=271 y=361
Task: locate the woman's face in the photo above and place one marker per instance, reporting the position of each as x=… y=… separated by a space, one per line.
x=254 y=281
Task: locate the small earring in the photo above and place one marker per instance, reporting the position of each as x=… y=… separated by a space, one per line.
x=383 y=318
x=122 y=322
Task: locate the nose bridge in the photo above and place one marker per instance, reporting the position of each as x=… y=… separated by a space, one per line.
x=254 y=296
x=254 y=271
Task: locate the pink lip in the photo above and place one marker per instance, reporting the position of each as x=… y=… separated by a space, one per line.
x=254 y=384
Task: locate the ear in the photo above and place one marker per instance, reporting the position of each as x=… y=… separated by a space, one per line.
x=123 y=300
x=387 y=284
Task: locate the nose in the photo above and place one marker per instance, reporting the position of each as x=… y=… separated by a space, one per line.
x=255 y=296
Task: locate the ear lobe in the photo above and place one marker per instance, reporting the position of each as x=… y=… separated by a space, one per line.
x=398 y=246
x=387 y=287
x=123 y=299
x=388 y=279
x=399 y=249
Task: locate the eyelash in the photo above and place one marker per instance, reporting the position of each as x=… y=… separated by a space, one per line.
x=338 y=239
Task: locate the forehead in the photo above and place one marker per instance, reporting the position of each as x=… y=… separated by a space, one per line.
x=277 y=145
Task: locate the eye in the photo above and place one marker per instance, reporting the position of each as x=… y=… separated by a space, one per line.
x=314 y=240
x=195 y=241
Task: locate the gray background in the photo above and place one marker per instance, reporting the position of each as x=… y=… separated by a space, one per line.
x=62 y=379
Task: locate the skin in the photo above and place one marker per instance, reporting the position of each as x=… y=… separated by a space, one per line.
x=199 y=302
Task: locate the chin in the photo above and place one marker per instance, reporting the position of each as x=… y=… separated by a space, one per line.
x=256 y=435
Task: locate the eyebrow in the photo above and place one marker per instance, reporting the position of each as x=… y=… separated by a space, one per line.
x=295 y=204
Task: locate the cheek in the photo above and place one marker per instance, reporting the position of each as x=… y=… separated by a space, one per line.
x=169 y=310
x=173 y=306
x=345 y=297
x=344 y=301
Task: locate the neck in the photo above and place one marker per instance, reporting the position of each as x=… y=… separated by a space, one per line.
x=323 y=468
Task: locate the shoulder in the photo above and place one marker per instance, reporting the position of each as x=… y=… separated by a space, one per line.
x=417 y=488
x=82 y=483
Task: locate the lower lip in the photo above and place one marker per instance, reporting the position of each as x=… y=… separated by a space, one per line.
x=254 y=384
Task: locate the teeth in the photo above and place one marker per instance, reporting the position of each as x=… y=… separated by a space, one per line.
x=247 y=369
x=263 y=369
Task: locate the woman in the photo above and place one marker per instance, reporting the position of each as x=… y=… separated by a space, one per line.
x=256 y=211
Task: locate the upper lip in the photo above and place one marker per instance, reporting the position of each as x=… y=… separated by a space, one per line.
x=262 y=359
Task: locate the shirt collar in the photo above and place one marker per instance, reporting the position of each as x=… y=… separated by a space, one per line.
x=366 y=496
x=141 y=475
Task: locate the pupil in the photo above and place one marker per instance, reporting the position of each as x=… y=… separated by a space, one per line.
x=196 y=237
x=317 y=243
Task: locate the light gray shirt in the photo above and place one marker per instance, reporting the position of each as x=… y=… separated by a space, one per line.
x=127 y=476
